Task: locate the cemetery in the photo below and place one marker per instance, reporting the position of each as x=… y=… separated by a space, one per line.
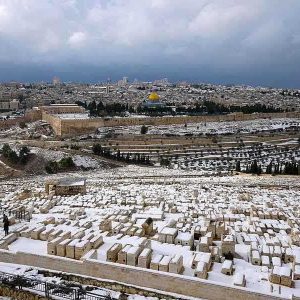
x=233 y=231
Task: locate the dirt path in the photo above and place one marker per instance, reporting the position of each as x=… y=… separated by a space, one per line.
x=7 y=171
x=110 y=162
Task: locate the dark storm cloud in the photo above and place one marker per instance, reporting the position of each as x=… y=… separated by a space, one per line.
x=253 y=41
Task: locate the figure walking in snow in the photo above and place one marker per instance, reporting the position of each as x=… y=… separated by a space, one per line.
x=5 y=224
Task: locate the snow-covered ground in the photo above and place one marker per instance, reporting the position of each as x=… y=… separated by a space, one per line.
x=128 y=196
x=36 y=130
x=225 y=159
x=209 y=128
x=211 y=148
x=56 y=155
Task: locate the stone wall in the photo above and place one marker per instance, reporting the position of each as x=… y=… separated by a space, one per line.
x=19 y=294
x=134 y=276
x=196 y=119
x=72 y=127
x=31 y=116
x=69 y=128
x=83 y=126
x=62 y=109
x=55 y=122
x=168 y=120
x=112 y=285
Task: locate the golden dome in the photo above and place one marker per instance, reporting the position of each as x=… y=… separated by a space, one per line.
x=153 y=97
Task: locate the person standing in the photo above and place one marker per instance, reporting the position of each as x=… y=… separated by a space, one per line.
x=5 y=224
x=30 y=211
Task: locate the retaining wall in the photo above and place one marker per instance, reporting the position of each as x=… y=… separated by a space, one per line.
x=16 y=294
x=166 y=282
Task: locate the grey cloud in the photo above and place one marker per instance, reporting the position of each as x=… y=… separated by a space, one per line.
x=227 y=38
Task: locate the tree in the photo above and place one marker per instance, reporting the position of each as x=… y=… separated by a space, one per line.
x=214 y=139
x=97 y=149
x=148 y=160
x=51 y=167
x=13 y=157
x=100 y=107
x=144 y=129
x=269 y=168
x=238 y=166
x=254 y=167
x=92 y=107
x=118 y=154
x=259 y=170
x=23 y=155
x=66 y=163
x=8 y=153
x=127 y=157
x=6 y=150
x=22 y=125
x=21 y=98
x=164 y=162
x=80 y=103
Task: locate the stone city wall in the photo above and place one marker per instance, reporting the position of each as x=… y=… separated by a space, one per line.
x=30 y=116
x=195 y=119
x=168 y=120
x=54 y=121
x=62 y=109
x=81 y=126
x=166 y=282
x=73 y=127
x=68 y=128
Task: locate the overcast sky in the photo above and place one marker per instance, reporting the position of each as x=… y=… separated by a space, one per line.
x=222 y=41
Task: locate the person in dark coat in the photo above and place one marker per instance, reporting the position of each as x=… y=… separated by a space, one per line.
x=5 y=224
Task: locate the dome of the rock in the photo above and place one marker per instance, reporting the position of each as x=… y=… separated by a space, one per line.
x=153 y=97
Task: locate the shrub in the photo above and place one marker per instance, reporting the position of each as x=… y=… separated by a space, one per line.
x=23 y=155
x=66 y=163
x=51 y=167
x=144 y=129
x=97 y=149
x=6 y=150
x=22 y=125
x=13 y=157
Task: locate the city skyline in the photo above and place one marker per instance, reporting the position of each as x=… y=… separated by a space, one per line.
x=232 y=42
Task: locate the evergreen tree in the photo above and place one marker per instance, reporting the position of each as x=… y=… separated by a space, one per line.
x=254 y=167
x=51 y=167
x=6 y=150
x=118 y=154
x=97 y=149
x=66 y=163
x=23 y=155
x=269 y=168
x=144 y=129
x=13 y=157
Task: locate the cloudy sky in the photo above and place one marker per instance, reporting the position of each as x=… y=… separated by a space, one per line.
x=221 y=41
